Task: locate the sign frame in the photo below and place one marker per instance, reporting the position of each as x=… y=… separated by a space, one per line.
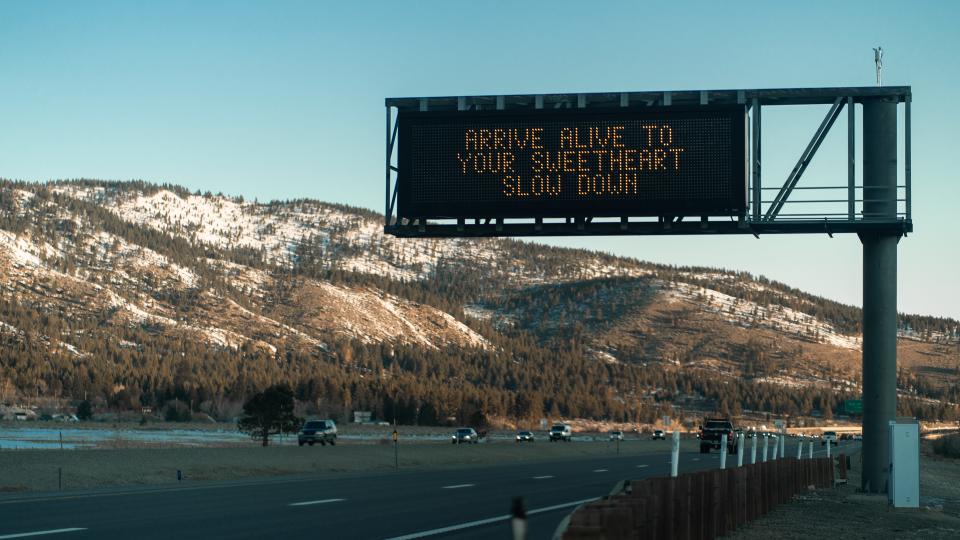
x=649 y=201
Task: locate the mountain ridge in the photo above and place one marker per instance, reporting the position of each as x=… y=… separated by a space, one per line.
x=308 y=278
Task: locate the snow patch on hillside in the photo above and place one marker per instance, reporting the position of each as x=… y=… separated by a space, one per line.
x=747 y=313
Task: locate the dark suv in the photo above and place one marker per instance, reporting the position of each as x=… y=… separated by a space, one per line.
x=318 y=431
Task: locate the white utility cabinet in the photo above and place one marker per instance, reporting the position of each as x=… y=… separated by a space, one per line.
x=904 y=489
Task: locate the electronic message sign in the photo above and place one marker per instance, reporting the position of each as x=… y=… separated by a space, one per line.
x=655 y=161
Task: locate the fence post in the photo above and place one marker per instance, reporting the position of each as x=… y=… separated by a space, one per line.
x=740 y=449
x=698 y=487
x=681 y=512
x=723 y=451
x=713 y=510
x=675 y=454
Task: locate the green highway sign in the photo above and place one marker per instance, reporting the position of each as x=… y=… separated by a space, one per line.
x=853 y=406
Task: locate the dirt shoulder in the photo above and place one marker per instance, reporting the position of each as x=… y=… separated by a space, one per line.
x=844 y=513
x=38 y=470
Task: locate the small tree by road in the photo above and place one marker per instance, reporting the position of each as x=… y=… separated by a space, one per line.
x=268 y=413
x=84 y=410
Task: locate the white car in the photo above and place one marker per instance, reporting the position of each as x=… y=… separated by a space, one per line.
x=616 y=435
x=561 y=432
x=829 y=437
x=525 y=436
x=465 y=435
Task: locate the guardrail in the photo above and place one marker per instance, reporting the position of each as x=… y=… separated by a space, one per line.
x=699 y=505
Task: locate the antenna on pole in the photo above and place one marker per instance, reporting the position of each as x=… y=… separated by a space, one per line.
x=878 y=60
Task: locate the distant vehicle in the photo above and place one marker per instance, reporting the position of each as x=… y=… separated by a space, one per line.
x=465 y=435
x=616 y=435
x=829 y=437
x=561 y=432
x=712 y=432
x=525 y=436
x=857 y=437
x=658 y=435
x=318 y=431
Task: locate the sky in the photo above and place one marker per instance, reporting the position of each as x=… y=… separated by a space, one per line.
x=282 y=99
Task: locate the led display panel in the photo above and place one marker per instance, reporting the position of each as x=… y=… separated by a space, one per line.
x=655 y=161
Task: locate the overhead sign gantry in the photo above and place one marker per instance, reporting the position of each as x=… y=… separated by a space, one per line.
x=655 y=163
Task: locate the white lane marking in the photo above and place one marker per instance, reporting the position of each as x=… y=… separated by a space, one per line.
x=322 y=501
x=696 y=459
x=544 y=477
x=599 y=470
x=479 y=522
x=642 y=466
x=458 y=486
x=41 y=533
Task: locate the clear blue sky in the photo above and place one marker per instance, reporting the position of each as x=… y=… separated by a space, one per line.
x=278 y=100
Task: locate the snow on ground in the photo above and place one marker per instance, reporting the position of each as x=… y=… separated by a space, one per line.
x=747 y=313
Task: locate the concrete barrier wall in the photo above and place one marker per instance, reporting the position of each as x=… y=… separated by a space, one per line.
x=700 y=505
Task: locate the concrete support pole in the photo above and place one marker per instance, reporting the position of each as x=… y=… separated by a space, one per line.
x=753 y=448
x=765 y=438
x=879 y=291
x=800 y=449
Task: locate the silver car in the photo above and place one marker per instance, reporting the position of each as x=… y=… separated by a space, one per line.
x=465 y=435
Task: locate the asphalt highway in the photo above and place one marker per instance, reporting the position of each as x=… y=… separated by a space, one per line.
x=468 y=502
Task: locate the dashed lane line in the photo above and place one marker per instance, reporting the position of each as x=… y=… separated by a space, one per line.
x=321 y=501
x=544 y=477
x=642 y=466
x=41 y=533
x=599 y=470
x=458 y=486
x=479 y=522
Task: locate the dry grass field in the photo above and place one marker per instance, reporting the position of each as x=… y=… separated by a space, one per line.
x=845 y=513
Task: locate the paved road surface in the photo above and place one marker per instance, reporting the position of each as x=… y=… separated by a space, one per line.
x=470 y=502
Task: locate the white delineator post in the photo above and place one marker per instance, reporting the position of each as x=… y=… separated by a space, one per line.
x=765 y=448
x=740 y=449
x=723 y=451
x=753 y=449
x=811 y=449
x=776 y=447
x=828 y=449
x=675 y=454
x=783 y=443
x=800 y=449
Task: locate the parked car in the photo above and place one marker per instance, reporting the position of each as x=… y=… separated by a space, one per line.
x=318 y=431
x=658 y=435
x=561 y=432
x=525 y=436
x=616 y=435
x=829 y=437
x=465 y=435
